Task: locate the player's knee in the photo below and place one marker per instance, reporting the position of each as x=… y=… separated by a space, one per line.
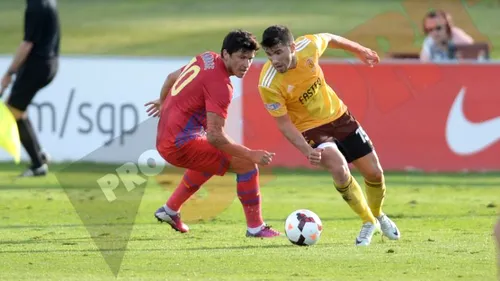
x=242 y=166
x=335 y=163
x=340 y=174
x=376 y=174
x=249 y=167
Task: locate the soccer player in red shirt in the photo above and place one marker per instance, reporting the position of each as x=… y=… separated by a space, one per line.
x=193 y=110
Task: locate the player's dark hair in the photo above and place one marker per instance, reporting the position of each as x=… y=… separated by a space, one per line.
x=239 y=40
x=275 y=35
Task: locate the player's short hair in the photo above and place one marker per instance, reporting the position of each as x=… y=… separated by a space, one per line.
x=239 y=40
x=275 y=35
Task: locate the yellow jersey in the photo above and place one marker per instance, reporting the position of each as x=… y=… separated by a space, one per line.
x=301 y=92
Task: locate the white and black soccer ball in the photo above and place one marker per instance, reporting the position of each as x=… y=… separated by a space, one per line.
x=303 y=228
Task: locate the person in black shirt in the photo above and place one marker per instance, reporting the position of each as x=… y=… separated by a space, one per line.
x=35 y=66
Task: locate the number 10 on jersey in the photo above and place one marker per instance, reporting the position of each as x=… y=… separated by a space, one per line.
x=187 y=75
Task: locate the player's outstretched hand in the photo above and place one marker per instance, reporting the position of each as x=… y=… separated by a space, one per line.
x=315 y=156
x=261 y=157
x=369 y=57
x=154 y=108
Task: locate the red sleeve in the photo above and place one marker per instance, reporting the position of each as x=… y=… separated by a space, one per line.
x=218 y=94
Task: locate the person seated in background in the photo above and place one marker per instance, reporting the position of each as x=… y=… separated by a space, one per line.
x=442 y=37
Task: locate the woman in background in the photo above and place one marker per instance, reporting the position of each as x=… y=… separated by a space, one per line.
x=441 y=38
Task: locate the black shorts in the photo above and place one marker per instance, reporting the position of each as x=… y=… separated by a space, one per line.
x=31 y=77
x=346 y=133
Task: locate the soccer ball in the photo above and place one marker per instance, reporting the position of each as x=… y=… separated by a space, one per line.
x=303 y=228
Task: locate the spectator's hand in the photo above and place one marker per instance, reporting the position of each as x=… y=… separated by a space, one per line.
x=368 y=56
x=6 y=80
x=154 y=108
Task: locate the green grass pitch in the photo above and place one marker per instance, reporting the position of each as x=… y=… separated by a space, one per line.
x=187 y=27
x=445 y=220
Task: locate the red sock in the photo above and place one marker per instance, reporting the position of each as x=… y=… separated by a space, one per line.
x=191 y=182
x=249 y=195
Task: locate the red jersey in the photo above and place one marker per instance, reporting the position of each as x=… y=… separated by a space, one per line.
x=203 y=86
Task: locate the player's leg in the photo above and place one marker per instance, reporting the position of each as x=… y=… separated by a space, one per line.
x=333 y=160
x=28 y=82
x=170 y=212
x=360 y=152
x=201 y=161
x=370 y=168
x=191 y=182
x=248 y=190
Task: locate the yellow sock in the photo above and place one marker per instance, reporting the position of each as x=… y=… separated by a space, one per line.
x=352 y=194
x=375 y=194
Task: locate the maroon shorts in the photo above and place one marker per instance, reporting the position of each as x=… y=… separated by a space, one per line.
x=346 y=133
x=198 y=155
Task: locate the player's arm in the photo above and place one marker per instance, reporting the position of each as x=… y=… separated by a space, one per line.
x=217 y=99
x=276 y=106
x=338 y=42
x=154 y=106
x=217 y=137
x=293 y=135
x=168 y=84
x=22 y=53
x=333 y=41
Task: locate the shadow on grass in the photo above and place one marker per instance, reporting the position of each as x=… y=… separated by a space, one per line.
x=92 y=167
x=162 y=250
x=271 y=221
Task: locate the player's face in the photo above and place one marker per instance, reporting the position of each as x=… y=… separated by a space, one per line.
x=280 y=56
x=239 y=62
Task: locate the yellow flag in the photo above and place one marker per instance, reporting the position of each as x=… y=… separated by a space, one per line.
x=9 y=135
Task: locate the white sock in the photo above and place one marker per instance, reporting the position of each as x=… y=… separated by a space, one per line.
x=169 y=211
x=255 y=230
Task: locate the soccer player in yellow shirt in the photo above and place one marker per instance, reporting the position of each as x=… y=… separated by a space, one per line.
x=313 y=118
